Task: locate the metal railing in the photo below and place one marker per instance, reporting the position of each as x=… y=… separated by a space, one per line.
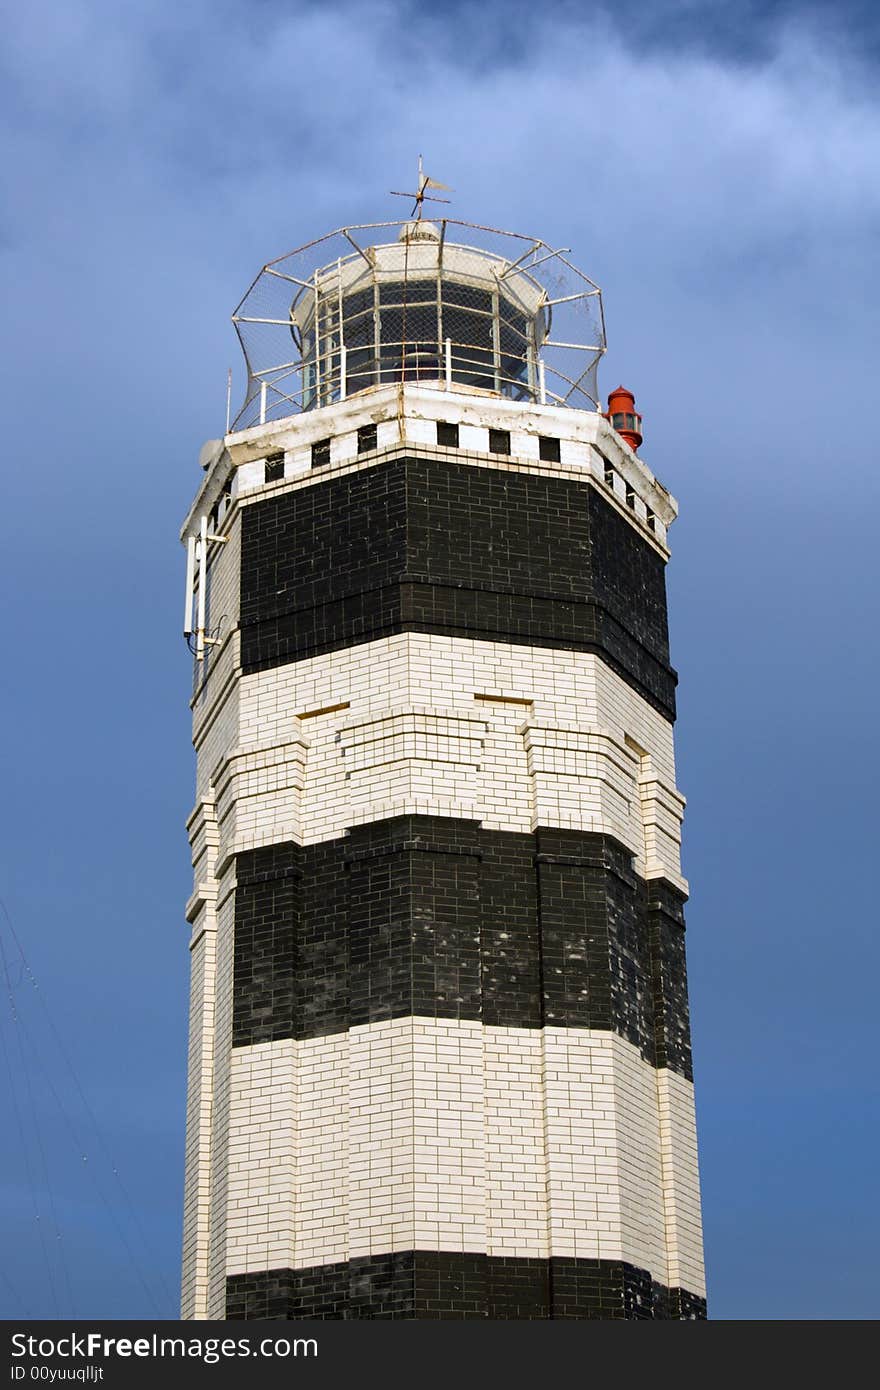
x=510 y=316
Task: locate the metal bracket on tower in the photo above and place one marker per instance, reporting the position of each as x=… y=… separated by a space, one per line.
x=197 y=589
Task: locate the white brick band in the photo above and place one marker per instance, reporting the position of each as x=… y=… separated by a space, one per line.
x=515 y=736
x=439 y=1135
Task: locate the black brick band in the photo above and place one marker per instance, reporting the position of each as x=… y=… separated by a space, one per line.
x=435 y=1284
x=417 y=545
x=435 y=917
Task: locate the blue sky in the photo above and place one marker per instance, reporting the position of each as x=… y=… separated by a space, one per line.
x=714 y=168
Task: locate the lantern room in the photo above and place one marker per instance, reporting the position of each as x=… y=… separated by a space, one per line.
x=448 y=302
x=419 y=309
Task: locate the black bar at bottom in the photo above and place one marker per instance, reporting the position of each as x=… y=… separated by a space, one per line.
x=419 y=1284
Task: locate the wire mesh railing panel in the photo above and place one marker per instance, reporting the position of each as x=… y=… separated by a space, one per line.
x=376 y=304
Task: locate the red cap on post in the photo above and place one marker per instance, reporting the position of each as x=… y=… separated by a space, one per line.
x=623 y=416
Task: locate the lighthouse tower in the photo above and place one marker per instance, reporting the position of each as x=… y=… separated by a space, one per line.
x=439 y=1060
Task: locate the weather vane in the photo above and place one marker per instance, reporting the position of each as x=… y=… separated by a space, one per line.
x=421 y=196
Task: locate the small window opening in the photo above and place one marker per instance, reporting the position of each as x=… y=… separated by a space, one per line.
x=505 y=700
x=366 y=439
x=499 y=441
x=651 y=520
x=548 y=449
x=275 y=467
x=447 y=434
x=224 y=502
x=325 y=709
x=635 y=747
x=320 y=453
x=630 y=496
x=609 y=475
